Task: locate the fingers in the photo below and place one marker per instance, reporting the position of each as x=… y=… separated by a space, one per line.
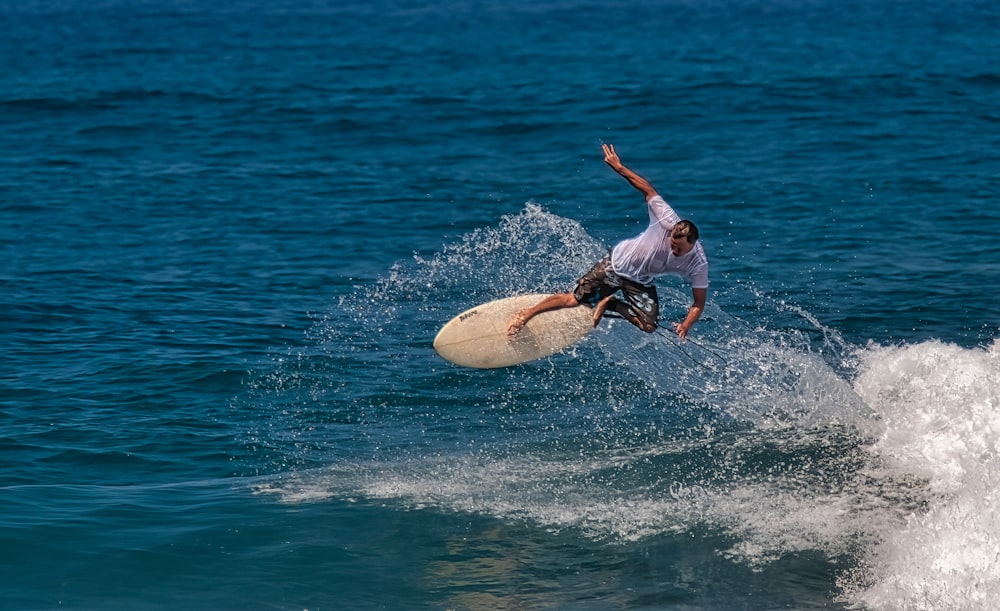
x=680 y=330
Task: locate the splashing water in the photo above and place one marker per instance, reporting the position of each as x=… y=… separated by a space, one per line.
x=882 y=459
x=940 y=420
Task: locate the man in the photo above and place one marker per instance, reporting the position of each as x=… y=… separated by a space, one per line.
x=669 y=245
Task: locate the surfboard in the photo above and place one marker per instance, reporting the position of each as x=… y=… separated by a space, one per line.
x=478 y=336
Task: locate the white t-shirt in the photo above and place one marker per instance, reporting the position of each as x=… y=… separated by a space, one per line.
x=648 y=255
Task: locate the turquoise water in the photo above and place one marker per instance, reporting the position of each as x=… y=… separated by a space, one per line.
x=229 y=235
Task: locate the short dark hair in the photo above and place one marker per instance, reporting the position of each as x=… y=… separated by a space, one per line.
x=685 y=229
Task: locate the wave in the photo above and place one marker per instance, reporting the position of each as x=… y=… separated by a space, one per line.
x=769 y=431
x=939 y=420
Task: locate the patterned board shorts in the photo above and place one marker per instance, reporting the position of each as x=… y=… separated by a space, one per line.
x=641 y=306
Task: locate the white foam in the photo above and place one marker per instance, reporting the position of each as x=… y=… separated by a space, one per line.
x=939 y=408
x=770 y=516
x=922 y=507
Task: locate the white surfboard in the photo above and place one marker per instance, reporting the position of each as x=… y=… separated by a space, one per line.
x=478 y=336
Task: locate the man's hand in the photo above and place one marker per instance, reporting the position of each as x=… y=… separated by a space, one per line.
x=611 y=157
x=640 y=183
x=694 y=313
x=680 y=329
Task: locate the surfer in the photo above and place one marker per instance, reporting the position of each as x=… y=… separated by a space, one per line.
x=668 y=245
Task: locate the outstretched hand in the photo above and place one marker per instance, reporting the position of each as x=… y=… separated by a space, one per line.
x=611 y=157
x=681 y=330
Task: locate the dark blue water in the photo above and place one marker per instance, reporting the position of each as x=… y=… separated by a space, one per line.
x=228 y=236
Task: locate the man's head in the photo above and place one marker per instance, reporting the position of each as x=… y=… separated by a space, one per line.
x=682 y=238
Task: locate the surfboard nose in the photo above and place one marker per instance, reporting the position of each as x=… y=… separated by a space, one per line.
x=478 y=336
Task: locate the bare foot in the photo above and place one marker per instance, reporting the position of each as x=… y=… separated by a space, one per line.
x=516 y=324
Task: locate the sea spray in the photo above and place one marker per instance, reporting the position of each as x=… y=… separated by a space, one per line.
x=939 y=419
x=771 y=438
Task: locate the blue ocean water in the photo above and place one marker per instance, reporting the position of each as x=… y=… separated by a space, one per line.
x=230 y=232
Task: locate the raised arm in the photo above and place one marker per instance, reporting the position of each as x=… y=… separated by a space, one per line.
x=640 y=183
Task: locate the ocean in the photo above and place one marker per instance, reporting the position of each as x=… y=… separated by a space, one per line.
x=229 y=232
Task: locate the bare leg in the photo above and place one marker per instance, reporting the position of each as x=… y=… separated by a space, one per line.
x=552 y=302
x=599 y=309
x=646 y=323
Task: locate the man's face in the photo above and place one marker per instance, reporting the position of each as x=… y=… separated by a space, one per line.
x=680 y=245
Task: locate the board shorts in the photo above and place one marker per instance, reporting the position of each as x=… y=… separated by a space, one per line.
x=641 y=306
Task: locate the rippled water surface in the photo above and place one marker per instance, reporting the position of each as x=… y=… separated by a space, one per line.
x=228 y=235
